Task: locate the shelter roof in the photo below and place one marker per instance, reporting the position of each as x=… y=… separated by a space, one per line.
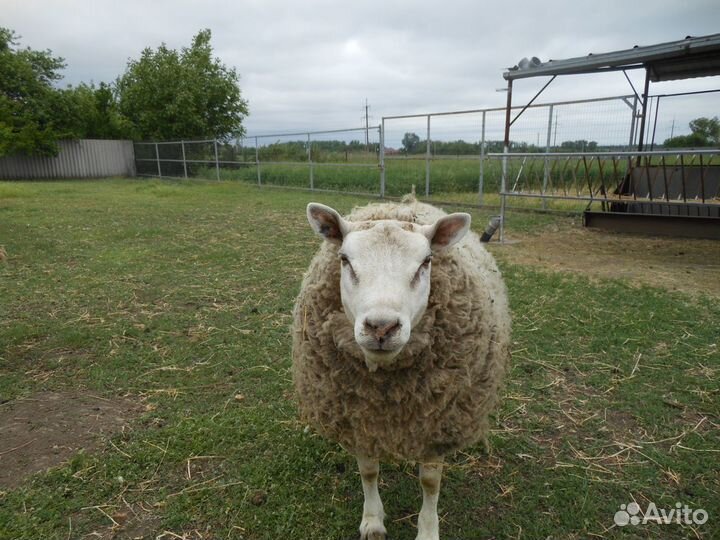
x=687 y=58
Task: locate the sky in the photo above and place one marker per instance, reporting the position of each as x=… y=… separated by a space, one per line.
x=312 y=64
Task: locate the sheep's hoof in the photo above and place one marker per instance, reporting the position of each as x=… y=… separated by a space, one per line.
x=372 y=528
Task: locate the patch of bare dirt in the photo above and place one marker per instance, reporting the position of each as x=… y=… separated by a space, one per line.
x=48 y=428
x=676 y=264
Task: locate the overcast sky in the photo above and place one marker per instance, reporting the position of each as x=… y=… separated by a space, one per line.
x=311 y=64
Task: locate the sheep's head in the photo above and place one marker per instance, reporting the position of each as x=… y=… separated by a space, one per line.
x=385 y=274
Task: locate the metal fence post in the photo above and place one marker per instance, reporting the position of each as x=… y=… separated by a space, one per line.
x=382 y=158
x=310 y=161
x=157 y=158
x=481 y=183
x=506 y=151
x=633 y=127
x=182 y=143
x=257 y=161
x=546 y=176
x=503 y=182
x=217 y=161
x=633 y=121
x=427 y=160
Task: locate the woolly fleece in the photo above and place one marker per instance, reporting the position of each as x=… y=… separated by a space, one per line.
x=437 y=396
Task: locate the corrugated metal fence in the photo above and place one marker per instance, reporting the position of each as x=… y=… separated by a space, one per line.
x=84 y=158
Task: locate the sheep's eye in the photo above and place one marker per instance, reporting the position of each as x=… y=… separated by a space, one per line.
x=345 y=262
x=424 y=266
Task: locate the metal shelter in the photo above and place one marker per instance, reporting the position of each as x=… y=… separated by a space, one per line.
x=687 y=58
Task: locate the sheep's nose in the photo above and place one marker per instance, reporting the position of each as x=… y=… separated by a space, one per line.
x=382 y=329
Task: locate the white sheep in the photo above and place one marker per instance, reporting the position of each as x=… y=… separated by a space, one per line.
x=401 y=338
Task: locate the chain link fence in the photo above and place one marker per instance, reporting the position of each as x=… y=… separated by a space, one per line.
x=335 y=160
x=563 y=156
x=446 y=154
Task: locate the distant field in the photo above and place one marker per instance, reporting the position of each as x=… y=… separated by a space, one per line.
x=452 y=179
x=164 y=306
x=455 y=175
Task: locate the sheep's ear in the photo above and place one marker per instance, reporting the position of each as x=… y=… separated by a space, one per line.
x=327 y=222
x=447 y=230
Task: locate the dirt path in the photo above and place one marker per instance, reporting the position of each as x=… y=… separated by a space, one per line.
x=46 y=429
x=676 y=264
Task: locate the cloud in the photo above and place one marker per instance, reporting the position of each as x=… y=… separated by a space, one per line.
x=312 y=64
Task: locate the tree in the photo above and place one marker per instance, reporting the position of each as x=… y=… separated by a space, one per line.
x=704 y=132
x=707 y=128
x=580 y=145
x=29 y=120
x=170 y=94
x=410 y=142
x=92 y=112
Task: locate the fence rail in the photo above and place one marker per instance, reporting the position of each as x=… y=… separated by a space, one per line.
x=566 y=156
x=660 y=183
x=687 y=176
x=270 y=159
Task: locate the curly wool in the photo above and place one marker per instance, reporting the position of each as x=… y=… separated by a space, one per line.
x=437 y=396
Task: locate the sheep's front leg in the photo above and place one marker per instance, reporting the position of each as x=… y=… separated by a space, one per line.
x=428 y=522
x=372 y=527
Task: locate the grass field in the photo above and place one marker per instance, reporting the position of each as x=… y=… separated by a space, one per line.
x=170 y=302
x=361 y=172
x=451 y=180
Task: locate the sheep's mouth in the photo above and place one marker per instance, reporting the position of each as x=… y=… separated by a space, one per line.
x=375 y=358
x=383 y=352
x=381 y=348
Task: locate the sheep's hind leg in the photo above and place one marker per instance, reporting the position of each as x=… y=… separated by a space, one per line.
x=372 y=527
x=428 y=522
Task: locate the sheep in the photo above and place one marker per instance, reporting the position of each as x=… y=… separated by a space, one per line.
x=401 y=341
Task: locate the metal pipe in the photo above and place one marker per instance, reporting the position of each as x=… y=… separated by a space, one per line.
x=481 y=184
x=644 y=110
x=657 y=108
x=525 y=108
x=665 y=179
x=183 y=155
x=217 y=162
x=631 y=84
x=633 y=122
x=171 y=142
x=427 y=159
x=257 y=161
x=682 y=174
x=157 y=158
x=521 y=195
x=610 y=153
x=508 y=108
x=299 y=133
x=546 y=175
x=382 y=157
x=506 y=150
x=499 y=109
x=310 y=162
x=296 y=163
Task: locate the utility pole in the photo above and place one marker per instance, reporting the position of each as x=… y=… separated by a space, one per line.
x=367 y=127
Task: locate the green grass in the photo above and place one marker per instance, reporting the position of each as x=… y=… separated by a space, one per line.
x=452 y=180
x=178 y=295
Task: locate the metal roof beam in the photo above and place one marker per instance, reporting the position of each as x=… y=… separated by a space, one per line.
x=688 y=48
